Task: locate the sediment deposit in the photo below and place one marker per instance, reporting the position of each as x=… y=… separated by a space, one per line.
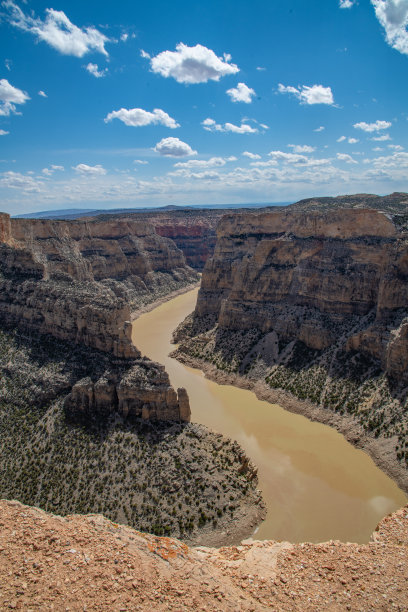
x=315 y=304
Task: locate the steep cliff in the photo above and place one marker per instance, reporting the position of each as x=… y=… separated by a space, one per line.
x=315 y=303
x=79 y=282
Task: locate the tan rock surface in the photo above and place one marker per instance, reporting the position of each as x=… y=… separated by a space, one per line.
x=88 y=563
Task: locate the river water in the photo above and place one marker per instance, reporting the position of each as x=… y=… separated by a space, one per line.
x=316 y=485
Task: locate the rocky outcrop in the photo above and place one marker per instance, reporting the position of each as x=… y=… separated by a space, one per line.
x=50 y=562
x=393 y=203
x=142 y=390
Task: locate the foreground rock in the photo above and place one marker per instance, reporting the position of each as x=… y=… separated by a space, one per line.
x=87 y=562
x=314 y=304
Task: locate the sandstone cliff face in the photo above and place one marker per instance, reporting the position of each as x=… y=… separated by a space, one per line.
x=79 y=282
x=193 y=231
x=304 y=274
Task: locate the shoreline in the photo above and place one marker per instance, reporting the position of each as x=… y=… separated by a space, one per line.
x=162 y=300
x=381 y=450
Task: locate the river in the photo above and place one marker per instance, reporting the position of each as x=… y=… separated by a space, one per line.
x=315 y=484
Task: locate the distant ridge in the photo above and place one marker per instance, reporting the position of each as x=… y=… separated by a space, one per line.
x=76 y=213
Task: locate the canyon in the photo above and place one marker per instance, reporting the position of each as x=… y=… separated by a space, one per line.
x=314 y=305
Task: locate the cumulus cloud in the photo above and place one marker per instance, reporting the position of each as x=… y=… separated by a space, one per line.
x=251 y=155
x=173 y=147
x=396 y=147
x=42 y=94
x=346 y=158
x=86 y=170
x=352 y=140
x=192 y=64
x=203 y=163
x=345 y=4
x=142 y=162
x=211 y=126
x=372 y=127
x=8 y=63
x=341 y=139
x=94 y=69
x=393 y=16
x=241 y=93
x=137 y=117
x=319 y=129
x=293 y=158
x=316 y=94
x=58 y=31
x=9 y=97
x=301 y=148
x=4 y=133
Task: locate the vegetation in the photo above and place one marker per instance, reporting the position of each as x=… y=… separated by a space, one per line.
x=166 y=478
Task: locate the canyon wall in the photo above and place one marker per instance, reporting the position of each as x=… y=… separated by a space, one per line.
x=304 y=274
x=79 y=282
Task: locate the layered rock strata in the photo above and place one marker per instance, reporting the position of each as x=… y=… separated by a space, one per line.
x=79 y=281
x=315 y=303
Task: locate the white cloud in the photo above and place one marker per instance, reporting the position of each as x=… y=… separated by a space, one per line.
x=42 y=94
x=211 y=126
x=316 y=94
x=58 y=31
x=251 y=155
x=372 y=127
x=345 y=4
x=319 y=129
x=376 y=149
x=173 y=147
x=17 y=180
x=292 y=158
x=94 y=69
x=142 y=162
x=260 y=68
x=240 y=129
x=7 y=63
x=203 y=163
x=124 y=37
x=241 y=93
x=352 y=140
x=393 y=16
x=3 y=133
x=86 y=170
x=192 y=64
x=346 y=158
x=144 y=54
x=301 y=148
x=9 y=97
x=381 y=138
x=137 y=117
x=341 y=139
x=50 y=171
x=395 y=147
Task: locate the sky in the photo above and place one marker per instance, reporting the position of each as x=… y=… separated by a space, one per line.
x=126 y=104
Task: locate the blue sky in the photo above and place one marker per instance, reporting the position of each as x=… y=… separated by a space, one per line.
x=224 y=101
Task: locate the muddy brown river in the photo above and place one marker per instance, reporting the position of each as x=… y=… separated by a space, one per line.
x=316 y=485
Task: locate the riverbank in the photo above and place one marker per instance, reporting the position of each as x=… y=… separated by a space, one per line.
x=380 y=450
x=163 y=299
